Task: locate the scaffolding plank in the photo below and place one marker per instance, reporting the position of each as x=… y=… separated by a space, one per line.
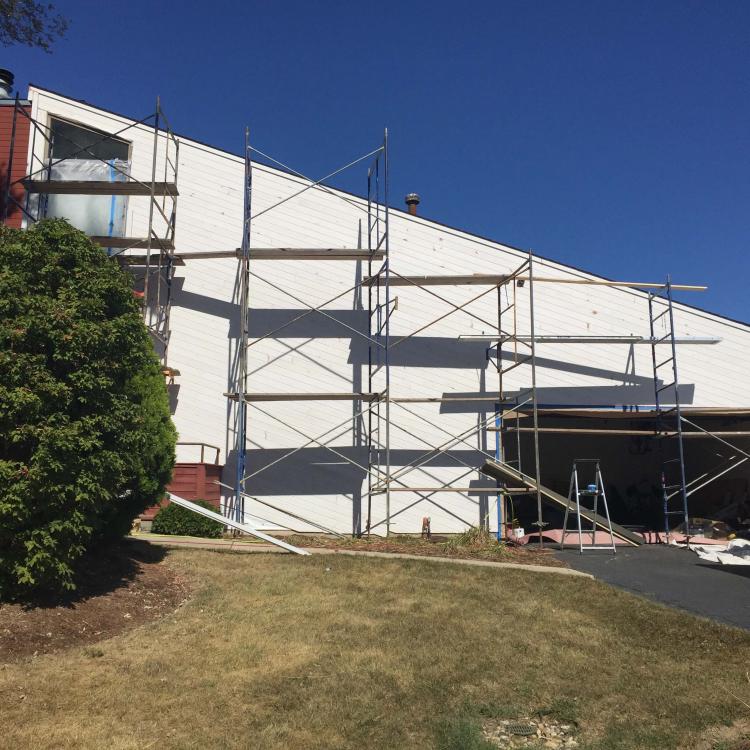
x=441 y=399
x=502 y=472
x=250 y=397
x=494 y=279
x=136 y=243
x=465 y=280
x=279 y=253
x=211 y=255
x=313 y=253
x=607 y=282
x=98 y=187
x=592 y=339
x=465 y=490
x=140 y=260
x=582 y=431
x=647 y=433
x=635 y=415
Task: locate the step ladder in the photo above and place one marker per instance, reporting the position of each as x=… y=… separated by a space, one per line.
x=594 y=491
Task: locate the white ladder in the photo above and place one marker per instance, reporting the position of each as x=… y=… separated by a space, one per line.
x=595 y=490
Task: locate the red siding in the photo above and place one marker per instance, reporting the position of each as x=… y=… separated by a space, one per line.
x=196 y=482
x=193 y=482
x=20 y=154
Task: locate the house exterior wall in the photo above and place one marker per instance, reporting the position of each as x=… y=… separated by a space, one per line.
x=20 y=150
x=316 y=354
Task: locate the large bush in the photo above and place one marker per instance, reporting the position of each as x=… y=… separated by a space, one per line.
x=86 y=439
x=174 y=519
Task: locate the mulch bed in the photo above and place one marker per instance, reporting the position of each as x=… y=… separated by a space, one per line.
x=435 y=547
x=120 y=589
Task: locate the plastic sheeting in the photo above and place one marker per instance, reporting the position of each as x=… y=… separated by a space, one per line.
x=737 y=552
x=97 y=215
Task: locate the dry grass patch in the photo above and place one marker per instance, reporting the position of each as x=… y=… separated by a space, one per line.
x=276 y=651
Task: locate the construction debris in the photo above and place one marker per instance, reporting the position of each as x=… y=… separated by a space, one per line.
x=737 y=552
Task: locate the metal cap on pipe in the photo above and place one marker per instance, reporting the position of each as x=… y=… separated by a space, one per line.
x=6 y=83
x=412 y=201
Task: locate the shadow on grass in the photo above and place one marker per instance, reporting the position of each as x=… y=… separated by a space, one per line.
x=98 y=573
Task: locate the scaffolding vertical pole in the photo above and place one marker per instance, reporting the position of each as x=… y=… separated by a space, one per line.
x=152 y=200
x=32 y=151
x=535 y=406
x=386 y=252
x=160 y=260
x=678 y=412
x=657 y=408
x=170 y=260
x=499 y=498
x=370 y=462
x=242 y=352
x=662 y=429
x=499 y=452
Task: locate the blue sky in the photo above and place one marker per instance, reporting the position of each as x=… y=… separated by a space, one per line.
x=614 y=136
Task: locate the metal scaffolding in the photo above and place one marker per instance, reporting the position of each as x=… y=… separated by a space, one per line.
x=503 y=335
x=660 y=308
x=373 y=407
x=376 y=412
x=377 y=406
x=508 y=349
x=154 y=271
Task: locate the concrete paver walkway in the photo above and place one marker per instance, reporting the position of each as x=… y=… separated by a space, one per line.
x=244 y=547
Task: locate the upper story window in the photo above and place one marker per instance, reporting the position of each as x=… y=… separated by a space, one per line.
x=71 y=141
x=80 y=154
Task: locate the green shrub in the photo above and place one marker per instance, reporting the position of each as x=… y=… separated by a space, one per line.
x=86 y=438
x=473 y=538
x=179 y=521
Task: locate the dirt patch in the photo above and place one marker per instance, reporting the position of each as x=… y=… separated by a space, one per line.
x=435 y=547
x=735 y=736
x=530 y=732
x=117 y=590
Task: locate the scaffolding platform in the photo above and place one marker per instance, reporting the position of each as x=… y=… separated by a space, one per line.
x=313 y=253
x=100 y=187
x=595 y=339
x=126 y=243
x=464 y=280
x=250 y=397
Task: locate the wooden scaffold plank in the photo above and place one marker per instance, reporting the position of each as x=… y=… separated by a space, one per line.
x=99 y=187
x=464 y=280
x=593 y=339
x=136 y=243
x=313 y=253
x=251 y=397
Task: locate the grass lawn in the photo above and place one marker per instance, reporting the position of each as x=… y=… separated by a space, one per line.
x=276 y=651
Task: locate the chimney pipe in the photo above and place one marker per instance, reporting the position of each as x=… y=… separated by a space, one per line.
x=412 y=201
x=6 y=84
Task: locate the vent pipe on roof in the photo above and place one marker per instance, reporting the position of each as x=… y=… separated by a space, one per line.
x=6 y=84
x=412 y=201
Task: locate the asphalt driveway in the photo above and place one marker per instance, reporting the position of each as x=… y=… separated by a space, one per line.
x=673 y=576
